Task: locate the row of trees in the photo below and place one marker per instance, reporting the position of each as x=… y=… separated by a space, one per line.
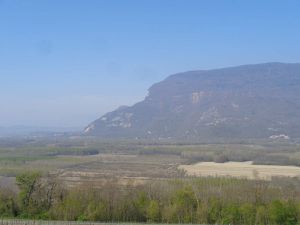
x=201 y=200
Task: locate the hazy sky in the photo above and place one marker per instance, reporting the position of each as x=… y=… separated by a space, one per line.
x=66 y=62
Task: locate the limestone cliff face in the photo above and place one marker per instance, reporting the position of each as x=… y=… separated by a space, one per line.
x=251 y=101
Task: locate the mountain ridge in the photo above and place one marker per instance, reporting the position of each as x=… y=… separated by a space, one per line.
x=246 y=101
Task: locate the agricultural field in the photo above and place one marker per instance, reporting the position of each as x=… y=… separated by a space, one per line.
x=240 y=170
x=133 y=169
x=77 y=160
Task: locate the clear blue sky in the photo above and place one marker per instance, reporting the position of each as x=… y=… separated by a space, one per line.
x=66 y=62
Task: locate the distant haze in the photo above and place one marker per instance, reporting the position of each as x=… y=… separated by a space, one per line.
x=65 y=63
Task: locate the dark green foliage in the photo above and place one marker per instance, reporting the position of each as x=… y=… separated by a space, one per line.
x=153 y=211
x=231 y=214
x=247 y=214
x=8 y=206
x=214 y=211
x=27 y=183
x=35 y=196
x=185 y=205
x=283 y=213
x=262 y=217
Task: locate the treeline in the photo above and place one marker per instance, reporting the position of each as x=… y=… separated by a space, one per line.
x=199 y=200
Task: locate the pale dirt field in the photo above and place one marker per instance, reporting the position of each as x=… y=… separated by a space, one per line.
x=240 y=170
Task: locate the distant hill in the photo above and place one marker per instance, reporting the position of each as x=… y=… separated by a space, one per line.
x=250 y=101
